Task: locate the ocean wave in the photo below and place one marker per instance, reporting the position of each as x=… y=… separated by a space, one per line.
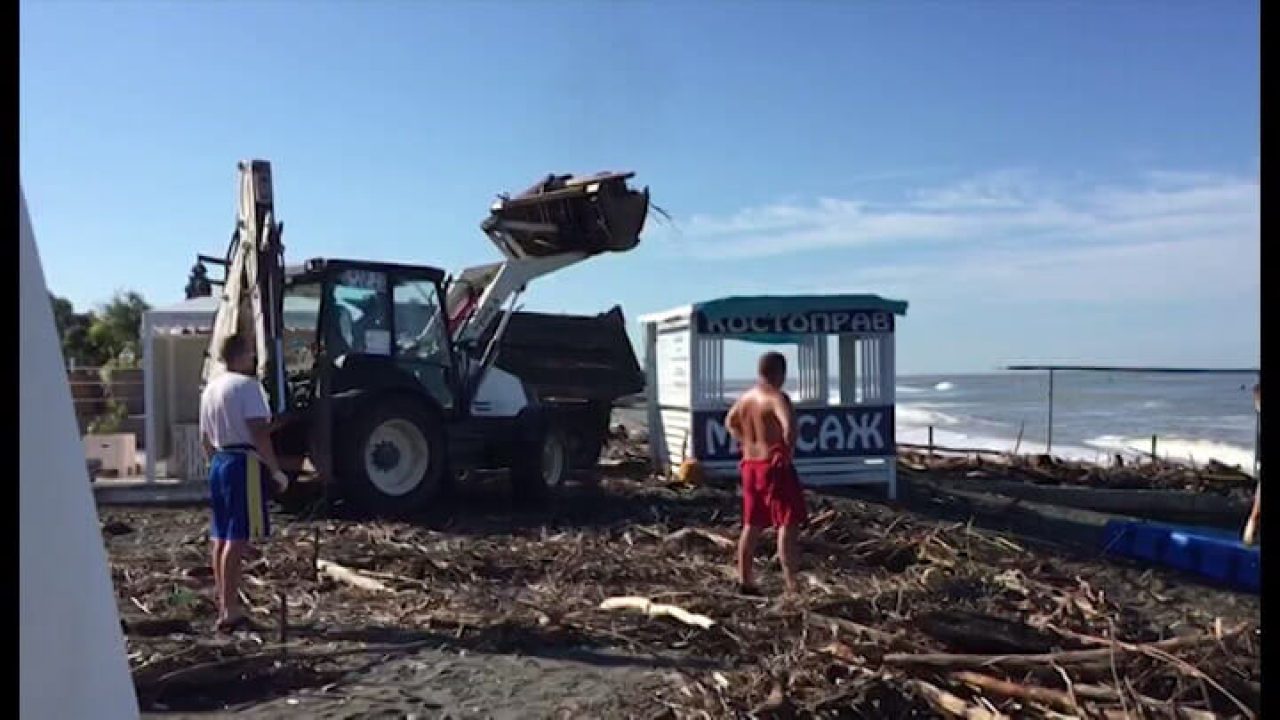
x=1118 y=442
x=915 y=435
x=909 y=390
x=944 y=386
x=913 y=415
x=1195 y=450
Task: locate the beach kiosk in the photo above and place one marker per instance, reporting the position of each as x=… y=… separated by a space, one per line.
x=844 y=401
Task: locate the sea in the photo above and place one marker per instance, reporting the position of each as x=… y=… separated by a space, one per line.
x=1194 y=418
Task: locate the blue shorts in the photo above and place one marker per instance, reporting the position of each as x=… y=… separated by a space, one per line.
x=238 y=495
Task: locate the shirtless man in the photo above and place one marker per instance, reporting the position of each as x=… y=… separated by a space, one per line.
x=763 y=423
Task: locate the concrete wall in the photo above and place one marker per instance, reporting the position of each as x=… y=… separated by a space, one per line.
x=178 y=362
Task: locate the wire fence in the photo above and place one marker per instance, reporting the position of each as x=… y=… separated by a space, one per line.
x=1154 y=453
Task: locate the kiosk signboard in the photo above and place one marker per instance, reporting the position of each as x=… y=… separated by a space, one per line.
x=821 y=432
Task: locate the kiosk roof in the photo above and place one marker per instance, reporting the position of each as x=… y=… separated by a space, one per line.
x=795 y=304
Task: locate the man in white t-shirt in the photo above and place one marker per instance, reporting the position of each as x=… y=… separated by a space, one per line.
x=236 y=433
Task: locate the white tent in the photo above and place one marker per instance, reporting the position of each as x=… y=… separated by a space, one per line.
x=196 y=315
x=192 y=317
x=72 y=662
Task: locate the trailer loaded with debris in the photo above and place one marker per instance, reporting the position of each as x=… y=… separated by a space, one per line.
x=411 y=378
x=577 y=366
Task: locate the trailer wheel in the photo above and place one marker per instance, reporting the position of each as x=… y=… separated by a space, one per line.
x=392 y=456
x=542 y=460
x=592 y=430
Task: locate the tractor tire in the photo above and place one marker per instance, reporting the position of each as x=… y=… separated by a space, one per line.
x=591 y=431
x=391 y=456
x=541 y=460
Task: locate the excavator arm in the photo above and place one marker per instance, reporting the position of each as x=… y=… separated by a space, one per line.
x=252 y=299
x=558 y=222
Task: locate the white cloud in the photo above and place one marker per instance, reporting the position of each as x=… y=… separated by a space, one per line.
x=1007 y=189
x=1008 y=207
x=1158 y=271
x=1164 y=270
x=1005 y=236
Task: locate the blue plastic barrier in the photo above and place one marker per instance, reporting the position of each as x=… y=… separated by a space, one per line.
x=1213 y=554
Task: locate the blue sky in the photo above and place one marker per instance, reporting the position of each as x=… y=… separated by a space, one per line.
x=1042 y=181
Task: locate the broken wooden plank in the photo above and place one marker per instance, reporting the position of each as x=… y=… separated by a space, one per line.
x=719 y=541
x=950 y=705
x=350 y=577
x=1066 y=657
x=981 y=633
x=652 y=609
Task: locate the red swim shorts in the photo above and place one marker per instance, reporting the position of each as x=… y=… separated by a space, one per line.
x=771 y=493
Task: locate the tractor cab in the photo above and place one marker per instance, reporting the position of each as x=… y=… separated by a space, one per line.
x=377 y=325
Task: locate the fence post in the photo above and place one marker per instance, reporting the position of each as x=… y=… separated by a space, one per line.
x=1048 y=448
x=1257 y=427
x=930 y=442
x=1153 y=448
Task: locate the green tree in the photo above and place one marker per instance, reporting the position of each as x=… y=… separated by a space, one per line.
x=74 y=334
x=63 y=313
x=95 y=339
x=118 y=325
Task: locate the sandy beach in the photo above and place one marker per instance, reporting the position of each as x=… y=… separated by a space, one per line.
x=490 y=612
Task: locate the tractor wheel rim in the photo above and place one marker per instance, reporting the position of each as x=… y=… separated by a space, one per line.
x=396 y=457
x=552 y=458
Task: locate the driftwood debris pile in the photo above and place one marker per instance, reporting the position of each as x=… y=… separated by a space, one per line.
x=1120 y=474
x=899 y=616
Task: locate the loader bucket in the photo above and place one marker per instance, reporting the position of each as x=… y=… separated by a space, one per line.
x=564 y=214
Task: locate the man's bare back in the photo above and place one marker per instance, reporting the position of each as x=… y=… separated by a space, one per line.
x=762 y=420
x=763 y=423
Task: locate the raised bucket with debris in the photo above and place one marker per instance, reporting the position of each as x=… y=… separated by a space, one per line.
x=566 y=213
